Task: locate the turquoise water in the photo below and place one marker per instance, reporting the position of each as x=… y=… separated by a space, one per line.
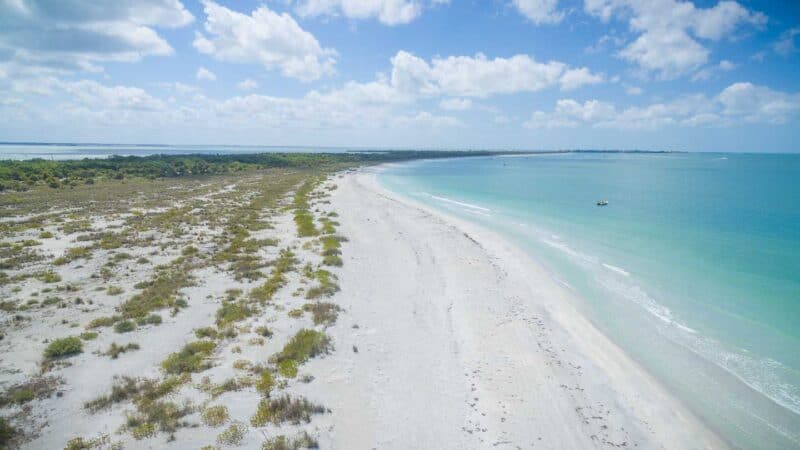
x=693 y=268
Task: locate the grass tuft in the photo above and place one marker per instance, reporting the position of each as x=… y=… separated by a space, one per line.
x=285 y=409
x=233 y=435
x=215 y=416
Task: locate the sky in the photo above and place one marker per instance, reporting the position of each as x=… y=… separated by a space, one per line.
x=438 y=74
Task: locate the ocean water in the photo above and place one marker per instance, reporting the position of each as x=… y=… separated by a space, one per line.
x=693 y=268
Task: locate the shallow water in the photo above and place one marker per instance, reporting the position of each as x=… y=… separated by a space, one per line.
x=693 y=268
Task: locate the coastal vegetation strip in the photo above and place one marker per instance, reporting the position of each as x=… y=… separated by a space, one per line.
x=121 y=255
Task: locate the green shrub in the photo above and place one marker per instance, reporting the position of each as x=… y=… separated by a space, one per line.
x=152 y=319
x=159 y=293
x=205 y=332
x=20 y=396
x=7 y=433
x=126 y=326
x=304 y=345
x=192 y=358
x=288 y=368
x=141 y=391
x=80 y=443
x=156 y=415
x=326 y=287
x=231 y=312
x=233 y=435
x=214 y=416
x=265 y=383
x=105 y=321
x=263 y=331
x=49 y=277
x=115 y=350
x=281 y=442
x=285 y=409
x=323 y=313
x=143 y=430
x=88 y=335
x=114 y=290
x=64 y=347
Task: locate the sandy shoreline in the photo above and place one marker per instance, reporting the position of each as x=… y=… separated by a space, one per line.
x=445 y=336
x=465 y=342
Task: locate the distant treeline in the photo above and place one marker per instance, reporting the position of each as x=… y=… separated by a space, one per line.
x=21 y=175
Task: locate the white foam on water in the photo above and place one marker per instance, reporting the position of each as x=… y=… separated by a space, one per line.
x=456 y=202
x=570 y=251
x=764 y=375
x=616 y=269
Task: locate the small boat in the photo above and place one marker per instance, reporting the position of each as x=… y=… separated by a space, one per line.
x=602 y=203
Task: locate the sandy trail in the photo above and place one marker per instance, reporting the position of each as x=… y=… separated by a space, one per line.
x=465 y=342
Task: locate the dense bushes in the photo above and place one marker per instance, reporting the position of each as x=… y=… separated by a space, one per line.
x=63 y=347
x=20 y=175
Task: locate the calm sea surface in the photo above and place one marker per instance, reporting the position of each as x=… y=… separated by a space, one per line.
x=693 y=267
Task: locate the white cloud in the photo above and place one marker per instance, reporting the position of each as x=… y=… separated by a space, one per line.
x=712 y=72
x=668 y=30
x=575 y=78
x=539 y=11
x=275 y=41
x=67 y=35
x=478 y=76
x=758 y=103
x=87 y=93
x=179 y=88
x=427 y=119
x=247 y=84
x=785 y=45
x=726 y=65
x=456 y=104
x=389 y=12
x=670 y=53
x=633 y=90
x=205 y=74
x=736 y=104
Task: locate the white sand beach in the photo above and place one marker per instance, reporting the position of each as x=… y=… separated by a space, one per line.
x=463 y=341
x=448 y=337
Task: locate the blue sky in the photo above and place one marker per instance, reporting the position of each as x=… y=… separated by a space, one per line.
x=523 y=74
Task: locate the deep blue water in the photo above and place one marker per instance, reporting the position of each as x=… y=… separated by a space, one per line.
x=693 y=268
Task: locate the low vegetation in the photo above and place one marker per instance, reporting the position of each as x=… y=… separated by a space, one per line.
x=326 y=284
x=302 y=346
x=115 y=350
x=7 y=433
x=192 y=358
x=161 y=292
x=138 y=390
x=36 y=388
x=323 y=313
x=285 y=409
x=285 y=263
x=302 y=441
x=215 y=416
x=233 y=435
x=64 y=347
